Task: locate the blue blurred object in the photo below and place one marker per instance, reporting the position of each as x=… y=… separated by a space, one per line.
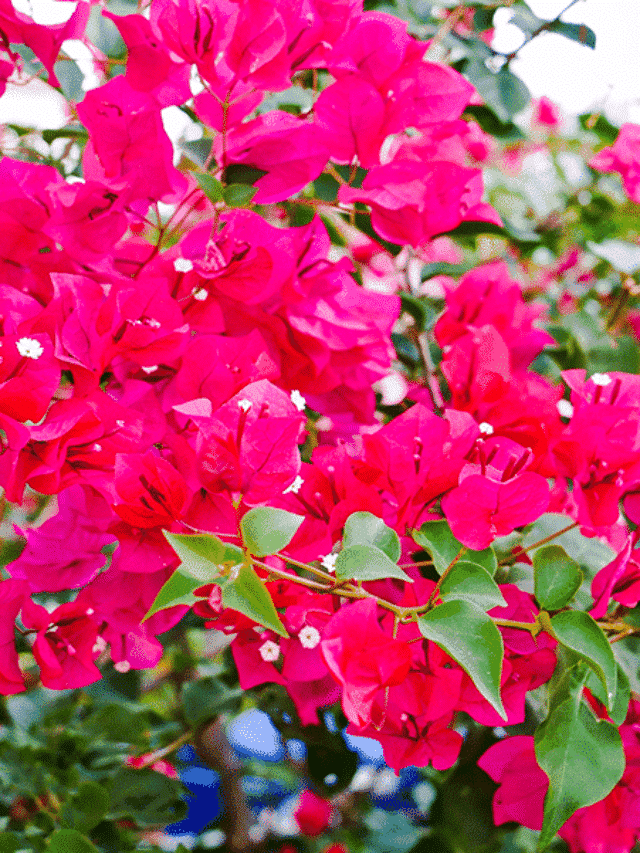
x=253 y=735
x=369 y=750
x=263 y=793
x=204 y=800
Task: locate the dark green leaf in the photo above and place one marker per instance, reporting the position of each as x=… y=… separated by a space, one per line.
x=557 y=577
x=146 y=797
x=367 y=563
x=623 y=694
x=238 y=195
x=581 y=633
x=238 y=173
x=267 y=530
x=245 y=592
x=12 y=841
x=502 y=91
x=177 y=590
x=489 y=122
x=471 y=638
x=86 y=808
x=437 y=538
x=203 y=556
x=206 y=698
x=198 y=150
x=469 y=582
x=210 y=186
x=117 y=722
x=582 y=756
x=364 y=528
x=70 y=841
x=576 y=32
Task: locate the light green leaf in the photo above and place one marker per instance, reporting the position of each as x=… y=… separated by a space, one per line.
x=210 y=186
x=576 y=32
x=267 y=530
x=178 y=589
x=238 y=195
x=471 y=638
x=582 y=755
x=436 y=538
x=623 y=694
x=245 y=592
x=581 y=633
x=557 y=577
x=364 y=528
x=70 y=841
x=86 y=808
x=469 y=582
x=502 y=91
x=203 y=555
x=367 y=563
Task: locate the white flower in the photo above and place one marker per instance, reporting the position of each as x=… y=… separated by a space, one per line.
x=200 y=294
x=294 y=487
x=328 y=562
x=99 y=646
x=485 y=428
x=122 y=666
x=269 y=651
x=298 y=400
x=151 y=369
x=564 y=408
x=601 y=379
x=29 y=348
x=244 y=404
x=182 y=265
x=309 y=637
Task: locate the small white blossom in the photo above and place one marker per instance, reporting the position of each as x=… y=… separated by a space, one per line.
x=153 y=323
x=89 y=611
x=122 y=666
x=29 y=348
x=602 y=379
x=328 y=562
x=244 y=404
x=182 y=265
x=564 y=408
x=269 y=651
x=298 y=400
x=151 y=369
x=294 y=487
x=485 y=428
x=309 y=637
x=200 y=294
x=99 y=646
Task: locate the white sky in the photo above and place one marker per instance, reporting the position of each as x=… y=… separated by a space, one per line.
x=574 y=76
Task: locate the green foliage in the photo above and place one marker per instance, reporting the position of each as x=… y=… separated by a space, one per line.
x=364 y=528
x=436 y=538
x=367 y=563
x=472 y=639
x=267 y=530
x=581 y=755
x=469 y=582
x=557 y=577
x=245 y=592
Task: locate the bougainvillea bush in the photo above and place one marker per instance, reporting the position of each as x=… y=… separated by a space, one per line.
x=326 y=406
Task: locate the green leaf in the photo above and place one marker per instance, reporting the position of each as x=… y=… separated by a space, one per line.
x=70 y=841
x=245 y=592
x=576 y=32
x=582 y=756
x=198 y=151
x=557 y=577
x=581 y=633
x=267 y=530
x=210 y=186
x=502 y=91
x=623 y=694
x=469 y=582
x=86 y=808
x=367 y=563
x=437 y=538
x=238 y=195
x=204 y=699
x=118 y=722
x=12 y=841
x=178 y=589
x=364 y=528
x=471 y=638
x=202 y=555
x=146 y=797
x=71 y=80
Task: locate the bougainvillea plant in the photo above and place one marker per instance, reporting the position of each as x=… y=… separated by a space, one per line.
x=316 y=407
